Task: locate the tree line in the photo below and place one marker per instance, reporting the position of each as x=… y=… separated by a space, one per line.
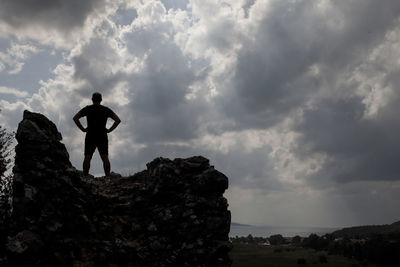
x=381 y=249
x=6 y=140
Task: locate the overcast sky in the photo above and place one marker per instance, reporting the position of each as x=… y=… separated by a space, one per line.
x=296 y=101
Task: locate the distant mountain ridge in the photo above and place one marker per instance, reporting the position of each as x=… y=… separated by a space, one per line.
x=368 y=230
x=239 y=224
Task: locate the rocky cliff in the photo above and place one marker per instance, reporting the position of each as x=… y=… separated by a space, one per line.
x=171 y=214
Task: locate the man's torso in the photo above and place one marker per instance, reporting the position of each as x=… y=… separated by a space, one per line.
x=96 y=116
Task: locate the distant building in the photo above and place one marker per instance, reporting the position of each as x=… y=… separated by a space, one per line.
x=266 y=243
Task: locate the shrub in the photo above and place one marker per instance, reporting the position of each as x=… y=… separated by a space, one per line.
x=301 y=261
x=323 y=259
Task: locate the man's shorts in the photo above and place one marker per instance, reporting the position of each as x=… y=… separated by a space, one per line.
x=93 y=141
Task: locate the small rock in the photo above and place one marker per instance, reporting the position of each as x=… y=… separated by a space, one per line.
x=152 y=227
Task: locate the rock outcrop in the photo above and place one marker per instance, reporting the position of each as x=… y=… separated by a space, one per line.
x=172 y=214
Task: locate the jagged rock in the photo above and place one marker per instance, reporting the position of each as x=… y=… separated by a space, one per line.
x=172 y=214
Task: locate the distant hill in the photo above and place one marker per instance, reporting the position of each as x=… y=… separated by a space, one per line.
x=368 y=230
x=239 y=224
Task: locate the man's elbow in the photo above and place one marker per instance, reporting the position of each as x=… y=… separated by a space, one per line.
x=116 y=119
x=77 y=117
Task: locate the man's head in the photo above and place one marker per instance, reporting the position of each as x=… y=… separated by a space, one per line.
x=96 y=98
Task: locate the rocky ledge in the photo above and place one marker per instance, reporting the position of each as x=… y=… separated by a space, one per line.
x=171 y=214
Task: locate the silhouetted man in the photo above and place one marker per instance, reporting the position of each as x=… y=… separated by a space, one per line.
x=96 y=131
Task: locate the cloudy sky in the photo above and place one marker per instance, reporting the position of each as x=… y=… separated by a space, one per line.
x=296 y=101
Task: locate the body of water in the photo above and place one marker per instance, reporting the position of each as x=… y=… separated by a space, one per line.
x=266 y=231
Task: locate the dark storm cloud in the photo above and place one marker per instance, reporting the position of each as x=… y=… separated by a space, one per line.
x=271 y=78
x=94 y=65
x=160 y=107
x=124 y=16
x=59 y=14
x=359 y=148
x=247 y=5
x=273 y=82
x=267 y=68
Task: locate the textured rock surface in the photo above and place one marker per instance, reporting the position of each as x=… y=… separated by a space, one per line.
x=172 y=214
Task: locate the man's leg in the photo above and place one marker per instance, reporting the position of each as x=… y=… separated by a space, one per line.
x=102 y=146
x=106 y=164
x=86 y=164
x=90 y=147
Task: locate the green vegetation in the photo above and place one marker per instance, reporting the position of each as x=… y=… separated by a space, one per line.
x=368 y=230
x=5 y=185
x=245 y=255
x=276 y=240
x=5 y=142
x=5 y=179
x=326 y=250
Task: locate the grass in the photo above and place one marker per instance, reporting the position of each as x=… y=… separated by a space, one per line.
x=283 y=256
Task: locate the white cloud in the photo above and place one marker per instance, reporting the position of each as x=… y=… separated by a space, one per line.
x=13 y=91
x=11 y=114
x=13 y=59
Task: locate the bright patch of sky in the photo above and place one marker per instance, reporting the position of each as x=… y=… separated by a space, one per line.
x=28 y=69
x=175 y=4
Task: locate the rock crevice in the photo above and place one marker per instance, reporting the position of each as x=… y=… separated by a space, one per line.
x=171 y=214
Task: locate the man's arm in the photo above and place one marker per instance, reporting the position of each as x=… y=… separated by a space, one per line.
x=115 y=124
x=78 y=123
